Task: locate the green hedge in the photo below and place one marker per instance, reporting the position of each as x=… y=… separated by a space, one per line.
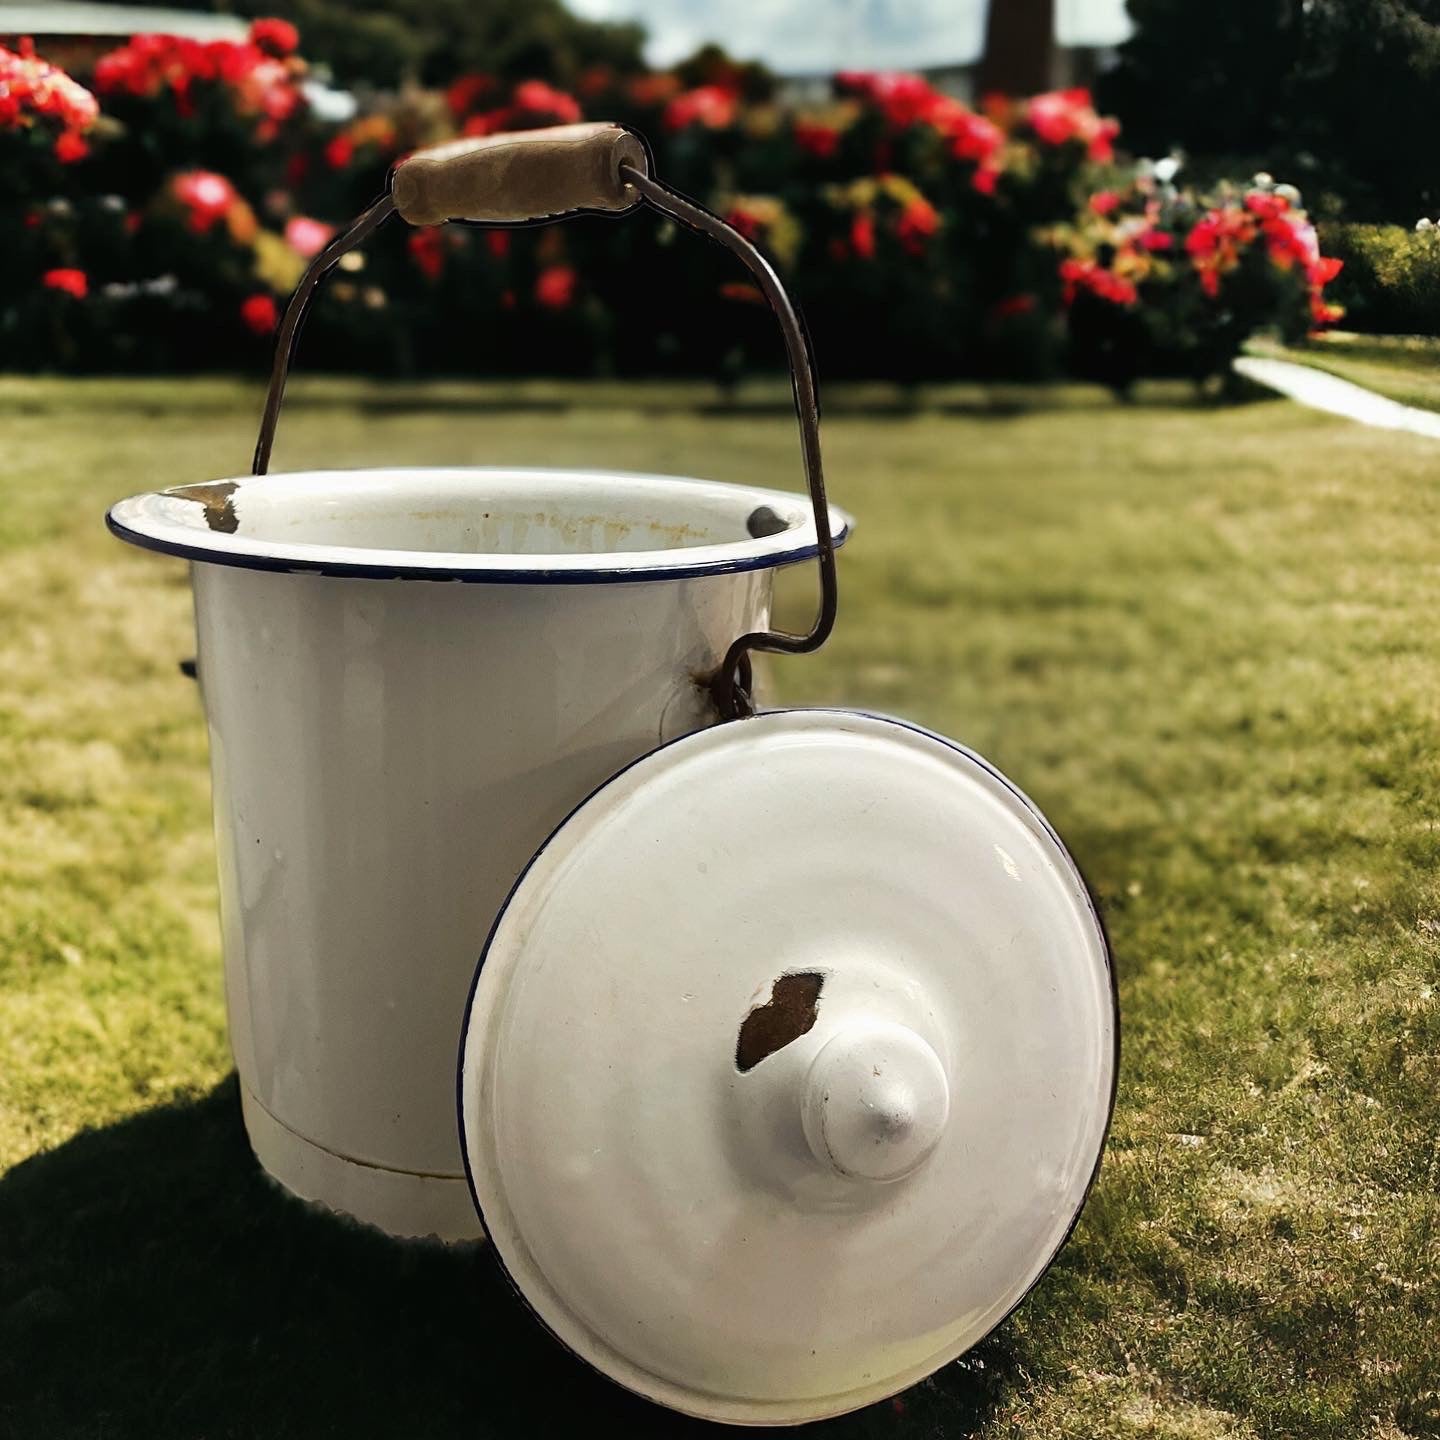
x=1391 y=281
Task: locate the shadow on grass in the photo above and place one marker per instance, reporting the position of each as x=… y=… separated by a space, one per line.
x=153 y=1284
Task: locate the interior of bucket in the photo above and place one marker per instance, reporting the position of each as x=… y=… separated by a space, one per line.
x=475 y=518
x=534 y=514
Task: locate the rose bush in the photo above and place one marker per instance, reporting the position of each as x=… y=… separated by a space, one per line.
x=1162 y=280
x=44 y=120
x=232 y=106
x=925 y=238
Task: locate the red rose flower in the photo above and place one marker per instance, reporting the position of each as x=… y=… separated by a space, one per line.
x=1100 y=143
x=427 y=250
x=862 y=234
x=1056 y=116
x=821 y=141
x=750 y=225
x=32 y=90
x=70 y=146
x=972 y=136
x=910 y=100
x=1094 y=278
x=1215 y=242
x=907 y=99
x=487 y=122
x=712 y=107
x=648 y=91
x=206 y=195
x=919 y=220
x=904 y=100
x=339 y=152
x=258 y=314
x=465 y=92
x=1060 y=116
x=1266 y=204
x=555 y=287
x=307 y=237
x=74 y=283
x=535 y=97
x=275 y=37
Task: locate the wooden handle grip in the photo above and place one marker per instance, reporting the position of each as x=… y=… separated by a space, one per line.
x=527 y=175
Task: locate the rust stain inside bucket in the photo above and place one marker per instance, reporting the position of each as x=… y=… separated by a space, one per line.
x=787 y=1015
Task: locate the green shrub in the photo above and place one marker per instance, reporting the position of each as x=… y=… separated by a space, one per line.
x=1391 y=281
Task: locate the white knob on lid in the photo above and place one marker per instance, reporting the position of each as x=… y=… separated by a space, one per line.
x=875 y=1102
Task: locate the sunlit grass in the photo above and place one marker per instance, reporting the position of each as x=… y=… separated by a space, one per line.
x=1204 y=640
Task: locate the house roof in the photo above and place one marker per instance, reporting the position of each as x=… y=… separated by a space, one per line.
x=85 y=18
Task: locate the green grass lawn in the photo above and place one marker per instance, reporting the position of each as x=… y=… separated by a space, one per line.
x=1401 y=367
x=1207 y=641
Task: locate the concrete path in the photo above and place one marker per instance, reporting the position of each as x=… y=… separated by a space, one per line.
x=1326 y=392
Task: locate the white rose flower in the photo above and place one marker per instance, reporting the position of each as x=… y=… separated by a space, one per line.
x=1264 y=181
x=1423 y=224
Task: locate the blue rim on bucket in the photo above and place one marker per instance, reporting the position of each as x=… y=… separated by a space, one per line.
x=182 y=521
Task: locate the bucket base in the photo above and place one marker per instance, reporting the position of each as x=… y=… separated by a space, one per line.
x=402 y=1204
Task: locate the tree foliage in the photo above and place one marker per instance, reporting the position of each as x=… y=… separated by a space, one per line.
x=1204 y=76
x=1365 y=103
x=1339 y=94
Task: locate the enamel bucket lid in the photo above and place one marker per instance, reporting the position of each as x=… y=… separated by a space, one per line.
x=788 y=1065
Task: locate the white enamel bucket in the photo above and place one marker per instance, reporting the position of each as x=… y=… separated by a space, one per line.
x=799 y=1026
x=410 y=677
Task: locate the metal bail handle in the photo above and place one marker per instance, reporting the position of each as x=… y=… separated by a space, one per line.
x=535 y=177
